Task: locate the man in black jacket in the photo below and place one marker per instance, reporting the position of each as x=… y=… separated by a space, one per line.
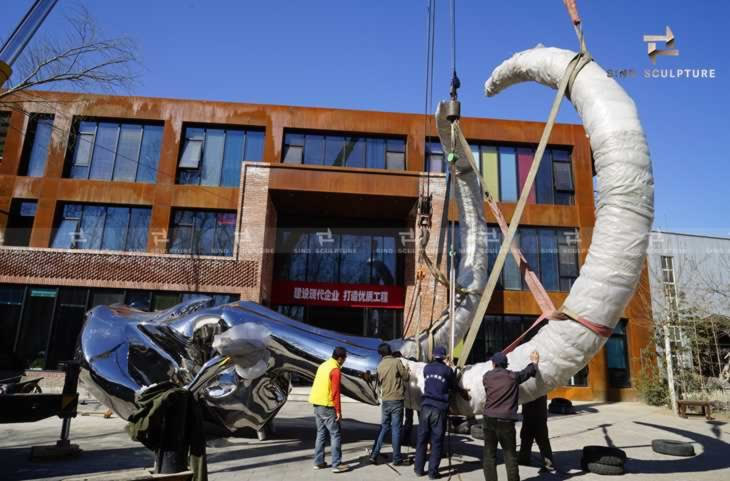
x=500 y=412
x=535 y=429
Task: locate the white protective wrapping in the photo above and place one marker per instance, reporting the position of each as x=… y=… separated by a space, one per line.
x=624 y=214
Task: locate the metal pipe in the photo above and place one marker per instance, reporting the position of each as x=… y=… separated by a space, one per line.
x=23 y=33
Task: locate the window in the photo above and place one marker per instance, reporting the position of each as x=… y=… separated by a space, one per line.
x=344 y=151
x=52 y=318
x=580 y=378
x=107 y=227
x=551 y=253
x=202 y=232
x=11 y=306
x=504 y=170
x=347 y=256
x=499 y=331
x=20 y=222
x=617 y=357
x=4 y=125
x=213 y=156
x=115 y=151
x=38 y=139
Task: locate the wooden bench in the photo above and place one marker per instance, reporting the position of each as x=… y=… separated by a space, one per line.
x=705 y=405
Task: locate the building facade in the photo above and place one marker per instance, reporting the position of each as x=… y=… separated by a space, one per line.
x=310 y=211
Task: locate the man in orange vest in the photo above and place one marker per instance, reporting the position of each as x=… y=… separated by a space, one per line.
x=325 y=397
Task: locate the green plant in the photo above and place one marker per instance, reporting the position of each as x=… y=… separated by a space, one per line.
x=650 y=382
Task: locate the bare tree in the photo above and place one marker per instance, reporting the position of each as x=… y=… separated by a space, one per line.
x=83 y=60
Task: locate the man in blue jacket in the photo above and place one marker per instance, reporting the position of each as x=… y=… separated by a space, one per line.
x=500 y=412
x=440 y=381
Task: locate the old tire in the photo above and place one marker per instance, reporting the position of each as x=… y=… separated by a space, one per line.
x=561 y=409
x=604 y=455
x=604 y=469
x=561 y=400
x=672 y=447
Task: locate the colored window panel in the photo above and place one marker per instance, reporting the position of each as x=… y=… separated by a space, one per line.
x=490 y=172
x=508 y=174
x=524 y=162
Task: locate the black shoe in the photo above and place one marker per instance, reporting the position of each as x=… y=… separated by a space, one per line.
x=373 y=459
x=434 y=476
x=320 y=466
x=403 y=462
x=419 y=473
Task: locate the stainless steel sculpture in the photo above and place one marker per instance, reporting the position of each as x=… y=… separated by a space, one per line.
x=124 y=350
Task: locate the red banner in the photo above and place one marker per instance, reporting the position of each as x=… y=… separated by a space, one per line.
x=337 y=295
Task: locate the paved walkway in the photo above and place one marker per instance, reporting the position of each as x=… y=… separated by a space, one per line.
x=288 y=454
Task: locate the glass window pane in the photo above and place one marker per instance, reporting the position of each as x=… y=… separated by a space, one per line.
x=164 y=300
x=508 y=174
x=293 y=154
x=563 y=176
x=181 y=238
x=65 y=234
x=355 y=150
x=334 y=151
x=544 y=180
x=322 y=263
x=92 y=227
x=294 y=139
x=204 y=233
x=254 y=145
x=396 y=161
x=106 y=297
x=396 y=145
x=35 y=326
x=139 y=300
x=39 y=151
x=224 y=233
x=560 y=154
x=524 y=161
x=549 y=259
x=232 y=157
x=149 y=156
x=354 y=267
x=84 y=144
x=376 y=153
x=511 y=274
x=102 y=162
x=115 y=228
x=191 y=154
x=435 y=163
x=11 y=300
x=299 y=254
x=494 y=241
x=529 y=247
x=130 y=139
x=212 y=157
x=568 y=254
x=138 y=227
x=313 y=149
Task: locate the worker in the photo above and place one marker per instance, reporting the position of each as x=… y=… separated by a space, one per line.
x=392 y=376
x=534 y=427
x=500 y=414
x=440 y=381
x=325 y=397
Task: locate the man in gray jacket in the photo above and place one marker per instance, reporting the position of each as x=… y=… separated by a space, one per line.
x=392 y=376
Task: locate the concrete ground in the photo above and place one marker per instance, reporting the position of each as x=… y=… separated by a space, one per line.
x=287 y=455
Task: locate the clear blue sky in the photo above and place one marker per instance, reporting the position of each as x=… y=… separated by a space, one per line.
x=371 y=55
